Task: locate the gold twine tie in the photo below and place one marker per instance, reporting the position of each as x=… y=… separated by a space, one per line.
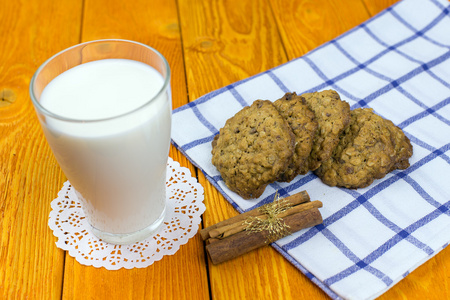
x=274 y=225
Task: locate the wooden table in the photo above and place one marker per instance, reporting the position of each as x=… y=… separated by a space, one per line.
x=208 y=44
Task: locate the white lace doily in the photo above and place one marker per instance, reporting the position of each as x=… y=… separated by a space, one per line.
x=183 y=211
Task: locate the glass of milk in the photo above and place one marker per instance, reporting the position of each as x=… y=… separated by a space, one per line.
x=105 y=109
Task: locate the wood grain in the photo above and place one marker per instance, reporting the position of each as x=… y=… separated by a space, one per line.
x=225 y=41
x=183 y=275
x=306 y=24
x=376 y=6
x=30 y=264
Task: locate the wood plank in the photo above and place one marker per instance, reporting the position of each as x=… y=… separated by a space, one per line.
x=306 y=24
x=30 y=264
x=183 y=275
x=180 y=276
x=224 y=42
x=375 y=6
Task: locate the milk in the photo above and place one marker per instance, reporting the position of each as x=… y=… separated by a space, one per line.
x=115 y=146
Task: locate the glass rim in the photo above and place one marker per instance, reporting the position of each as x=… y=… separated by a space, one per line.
x=48 y=113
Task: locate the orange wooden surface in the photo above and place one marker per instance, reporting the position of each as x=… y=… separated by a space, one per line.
x=208 y=44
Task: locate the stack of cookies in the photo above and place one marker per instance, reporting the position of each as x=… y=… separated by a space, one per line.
x=276 y=141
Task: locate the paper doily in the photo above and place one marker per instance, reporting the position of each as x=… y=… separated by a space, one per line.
x=183 y=211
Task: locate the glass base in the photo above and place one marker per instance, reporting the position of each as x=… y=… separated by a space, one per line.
x=129 y=238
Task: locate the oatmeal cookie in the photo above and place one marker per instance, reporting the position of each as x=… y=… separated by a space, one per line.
x=214 y=141
x=302 y=121
x=333 y=116
x=402 y=146
x=368 y=149
x=253 y=148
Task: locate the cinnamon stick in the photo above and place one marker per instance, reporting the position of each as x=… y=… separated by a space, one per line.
x=295 y=199
x=240 y=243
x=228 y=230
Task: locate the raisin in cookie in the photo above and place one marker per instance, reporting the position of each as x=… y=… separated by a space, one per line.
x=369 y=148
x=302 y=121
x=253 y=148
x=333 y=116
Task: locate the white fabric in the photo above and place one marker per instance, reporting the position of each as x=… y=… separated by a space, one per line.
x=397 y=63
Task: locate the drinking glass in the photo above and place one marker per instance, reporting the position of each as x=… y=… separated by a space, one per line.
x=114 y=156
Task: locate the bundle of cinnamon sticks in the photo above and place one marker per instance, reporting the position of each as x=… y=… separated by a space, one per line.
x=260 y=226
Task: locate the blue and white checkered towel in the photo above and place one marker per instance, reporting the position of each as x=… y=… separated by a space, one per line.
x=397 y=63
